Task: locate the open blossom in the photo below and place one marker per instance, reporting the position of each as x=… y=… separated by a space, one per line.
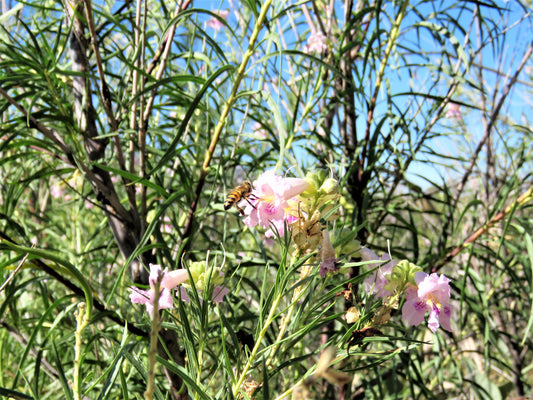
x=269 y=202
x=215 y=23
x=169 y=281
x=377 y=281
x=432 y=294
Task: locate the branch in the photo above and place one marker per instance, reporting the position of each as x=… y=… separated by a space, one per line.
x=78 y=291
x=523 y=199
x=224 y=114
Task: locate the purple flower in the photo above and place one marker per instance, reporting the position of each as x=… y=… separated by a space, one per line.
x=433 y=295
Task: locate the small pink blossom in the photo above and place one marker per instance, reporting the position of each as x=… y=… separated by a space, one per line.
x=218 y=294
x=214 y=22
x=454 y=111
x=376 y=283
x=316 y=43
x=433 y=295
x=169 y=281
x=56 y=191
x=270 y=201
x=166 y=226
x=259 y=131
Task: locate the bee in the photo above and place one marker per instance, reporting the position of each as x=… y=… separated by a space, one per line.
x=241 y=192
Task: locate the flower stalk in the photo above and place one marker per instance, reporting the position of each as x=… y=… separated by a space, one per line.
x=152 y=350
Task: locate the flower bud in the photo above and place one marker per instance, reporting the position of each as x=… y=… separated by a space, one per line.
x=330 y=187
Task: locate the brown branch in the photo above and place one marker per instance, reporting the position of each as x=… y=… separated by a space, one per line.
x=162 y=47
x=492 y=120
x=526 y=197
x=79 y=291
x=105 y=94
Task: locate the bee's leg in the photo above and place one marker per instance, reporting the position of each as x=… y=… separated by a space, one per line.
x=240 y=210
x=251 y=198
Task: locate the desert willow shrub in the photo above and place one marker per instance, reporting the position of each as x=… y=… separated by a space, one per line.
x=124 y=126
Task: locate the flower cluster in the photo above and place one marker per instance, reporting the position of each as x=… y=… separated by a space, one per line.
x=303 y=207
x=271 y=202
x=423 y=292
x=299 y=206
x=205 y=279
x=316 y=43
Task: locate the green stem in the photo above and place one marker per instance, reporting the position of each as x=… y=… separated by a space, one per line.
x=81 y=323
x=258 y=342
x=306 y=269
x=238 y=78
x=224 y=114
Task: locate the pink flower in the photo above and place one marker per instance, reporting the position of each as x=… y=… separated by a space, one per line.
x=433 y=295
x=376 y=283
x=214 y=22
x=270 y=201
x=56 y=191
x=169 y=281
x=454 y=111
x=316 y=43
x=218 y=294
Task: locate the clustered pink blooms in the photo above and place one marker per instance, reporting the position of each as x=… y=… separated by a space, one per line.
x=316 y=43
x=268 y=205
x=429 y=293
x=454 y=111
x=433 y=295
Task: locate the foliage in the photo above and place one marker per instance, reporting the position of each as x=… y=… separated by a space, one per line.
x=124 y=125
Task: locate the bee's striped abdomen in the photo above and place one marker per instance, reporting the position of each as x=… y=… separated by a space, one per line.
x=240 y=192
x=232 y=198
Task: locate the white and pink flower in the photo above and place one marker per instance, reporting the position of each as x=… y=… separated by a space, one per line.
x=169 y=280
x=268 y=205
x=432 y=294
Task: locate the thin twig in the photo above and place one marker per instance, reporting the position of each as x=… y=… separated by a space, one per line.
x=492 y=120
x=33 y=123
x=526 y=197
